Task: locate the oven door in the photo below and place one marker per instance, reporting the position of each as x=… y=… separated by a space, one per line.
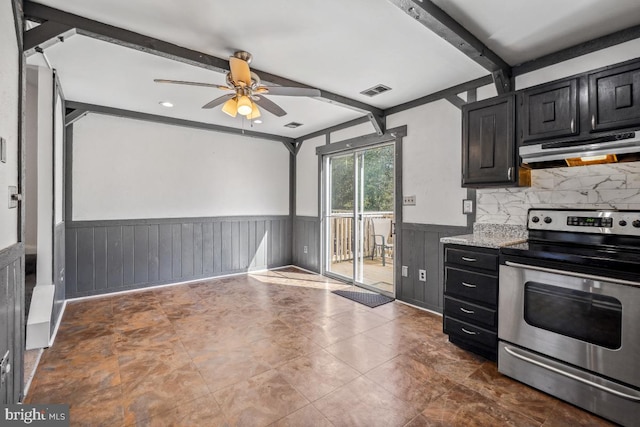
x=587 y=321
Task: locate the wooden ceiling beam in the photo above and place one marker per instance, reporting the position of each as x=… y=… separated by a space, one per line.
x=438 y=21
x=109 y=33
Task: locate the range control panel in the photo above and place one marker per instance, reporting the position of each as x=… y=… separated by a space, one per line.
x=585 y=221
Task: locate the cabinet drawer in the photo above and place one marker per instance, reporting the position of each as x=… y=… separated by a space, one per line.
x=470 y=313
x=470 y=285
x=470 y=258
x=470 y=333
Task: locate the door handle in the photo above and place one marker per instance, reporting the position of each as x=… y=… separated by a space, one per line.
x=464 y=258
x=573 y=125
x=466 y=331
x=469 y=285
x=464 y=310
x=509 y=173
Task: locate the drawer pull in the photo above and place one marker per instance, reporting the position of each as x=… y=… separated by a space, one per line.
x=468 y=285
x=469 y=332
x=464 y=310
x=464 y=258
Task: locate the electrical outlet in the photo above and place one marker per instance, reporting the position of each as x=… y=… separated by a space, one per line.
x=409 y=200
x=405 y=271
x=467 y=206
x=422 y=275
x=305 y=249
x=3 y=150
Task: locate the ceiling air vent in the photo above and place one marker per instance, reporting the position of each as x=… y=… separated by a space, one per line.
x=293 y=125
x=376 y=90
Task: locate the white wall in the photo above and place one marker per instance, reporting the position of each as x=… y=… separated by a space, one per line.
x=9 y=95
x=31 y=162
x=431 y=163
x=129 y=169
x=307 y=177
x=581 y=64
x=352 y=132
x=58 y=155
x=44 y=114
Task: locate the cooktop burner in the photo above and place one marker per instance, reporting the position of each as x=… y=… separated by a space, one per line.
x=599 y=242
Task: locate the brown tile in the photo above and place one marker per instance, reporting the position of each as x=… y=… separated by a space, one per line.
x=364 y=403
x=225 y=367
x=419 y=421
x=564 y=414
x=154 y=317
x=410 y=381
x=360 y=320
x=259 y=401
x=521 y=398
x=203 y=411
x=307 y=416
x=103 y=408
x=317 y=374
x=462 y=406
x=447 y=359
x=361 y=352
x=153 y=395
x=393 y=310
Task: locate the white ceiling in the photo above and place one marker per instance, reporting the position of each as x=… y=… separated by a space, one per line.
x=336 y=45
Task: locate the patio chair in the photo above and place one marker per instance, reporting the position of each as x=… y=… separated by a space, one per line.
x=381 y=236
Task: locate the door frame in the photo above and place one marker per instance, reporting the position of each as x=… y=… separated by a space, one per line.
x=394 y=136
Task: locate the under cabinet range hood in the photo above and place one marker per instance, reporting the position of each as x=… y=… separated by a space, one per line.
x=604 y=149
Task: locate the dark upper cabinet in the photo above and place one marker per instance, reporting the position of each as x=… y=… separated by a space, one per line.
x=549 y=111
x=614 y=97
x=488 y=143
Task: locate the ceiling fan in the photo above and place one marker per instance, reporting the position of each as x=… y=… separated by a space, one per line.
x=246 y=90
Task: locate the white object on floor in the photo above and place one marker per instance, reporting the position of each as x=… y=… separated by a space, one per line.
x=40 y=313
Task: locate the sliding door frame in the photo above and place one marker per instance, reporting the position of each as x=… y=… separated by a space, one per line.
x=394 y=136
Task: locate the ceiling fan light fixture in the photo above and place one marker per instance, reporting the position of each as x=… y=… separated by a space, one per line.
x=231 y=107
x=244 y=105
x=255 y=112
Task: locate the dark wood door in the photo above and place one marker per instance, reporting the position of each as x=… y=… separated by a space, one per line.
x=488 y=142
x=549 y=111
x=614 y=97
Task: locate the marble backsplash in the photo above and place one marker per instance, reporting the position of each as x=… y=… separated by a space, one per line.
x=615 y=185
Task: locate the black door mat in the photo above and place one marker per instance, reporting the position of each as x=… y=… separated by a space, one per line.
x=369 y=299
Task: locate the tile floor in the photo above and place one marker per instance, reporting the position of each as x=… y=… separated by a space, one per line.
x=275 y=348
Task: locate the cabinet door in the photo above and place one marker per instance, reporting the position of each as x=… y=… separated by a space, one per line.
x=488 y=143
x=614 y=98
x=550 y=111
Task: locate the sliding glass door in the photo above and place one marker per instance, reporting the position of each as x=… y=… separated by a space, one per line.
x=359 y=217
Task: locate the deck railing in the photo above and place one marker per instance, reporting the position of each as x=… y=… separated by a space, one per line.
x=341 y=234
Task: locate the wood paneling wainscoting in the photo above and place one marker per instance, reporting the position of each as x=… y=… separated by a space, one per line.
x=12 y=320
x=421 y=250
x=118 y=255
x=306 y=232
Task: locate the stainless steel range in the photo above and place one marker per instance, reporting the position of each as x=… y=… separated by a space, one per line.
x=569 y=309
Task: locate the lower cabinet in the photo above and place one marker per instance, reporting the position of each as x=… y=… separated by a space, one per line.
x=471 y=298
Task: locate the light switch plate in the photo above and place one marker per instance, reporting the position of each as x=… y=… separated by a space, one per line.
x=3 y=150
x=405 y=271
x=467 y=206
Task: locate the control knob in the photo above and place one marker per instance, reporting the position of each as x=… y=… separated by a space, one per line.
x=547 y=220
x=636 y=223
x=622 y=223
x=535 y=219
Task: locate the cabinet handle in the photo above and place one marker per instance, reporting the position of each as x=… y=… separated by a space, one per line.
x=464 y=310
x=469 y=332
x=593 y=122
x=464 y=258
x=509 y=172
x=468 y=285
x=573 y=125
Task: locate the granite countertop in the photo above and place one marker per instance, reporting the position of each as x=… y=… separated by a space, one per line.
x=490 y=236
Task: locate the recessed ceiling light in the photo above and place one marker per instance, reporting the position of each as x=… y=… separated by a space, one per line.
x=257 y=121
x=166 y=104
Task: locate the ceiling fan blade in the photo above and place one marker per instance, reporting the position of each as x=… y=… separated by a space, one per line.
x=219 y=100
x=292 y=91
x=240 y=72
x=270 y=106
x=182 y=82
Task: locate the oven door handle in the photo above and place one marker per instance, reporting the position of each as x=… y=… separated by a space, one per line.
x=514 y=352
x=571 y=273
